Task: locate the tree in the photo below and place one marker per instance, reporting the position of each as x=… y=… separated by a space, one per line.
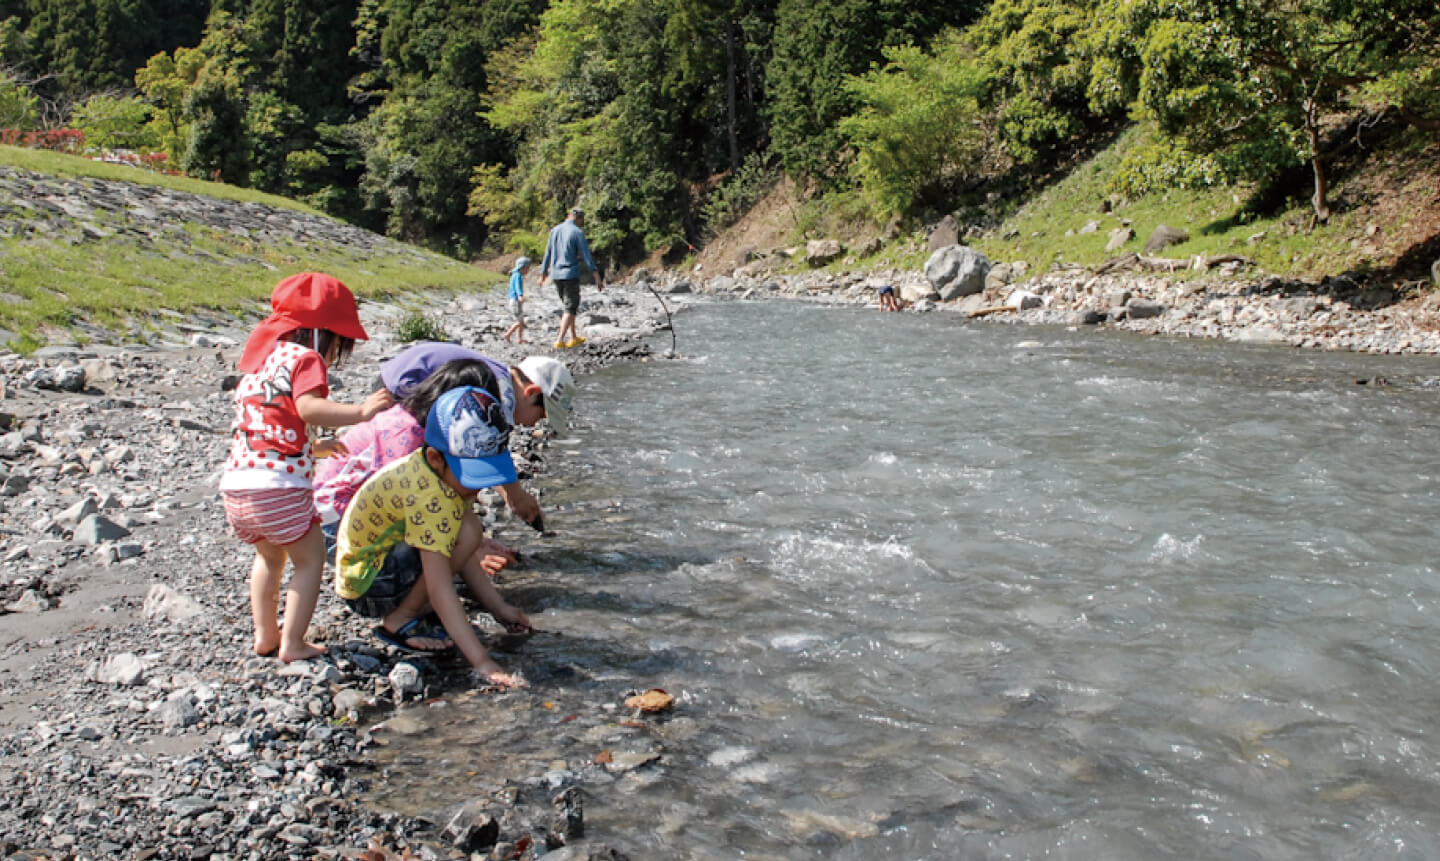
x=1260 y=81
x=817 y=43
x=920 y=127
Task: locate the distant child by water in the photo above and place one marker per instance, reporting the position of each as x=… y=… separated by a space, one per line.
x=888 y=300
x=411 y=528
x=267 y=482
x=516 y=300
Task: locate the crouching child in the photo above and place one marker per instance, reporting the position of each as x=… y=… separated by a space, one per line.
x=411 y=528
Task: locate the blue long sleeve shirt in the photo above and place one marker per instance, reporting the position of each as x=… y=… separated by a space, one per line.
x=565 y=251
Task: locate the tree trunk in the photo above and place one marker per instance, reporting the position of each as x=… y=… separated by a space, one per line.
x=1317 y=165
x=730 y=108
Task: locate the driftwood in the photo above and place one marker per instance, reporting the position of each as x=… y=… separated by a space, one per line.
x=1133 y=261
x=993 y=309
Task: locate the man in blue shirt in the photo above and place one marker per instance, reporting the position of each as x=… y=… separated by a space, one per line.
x=565 y=253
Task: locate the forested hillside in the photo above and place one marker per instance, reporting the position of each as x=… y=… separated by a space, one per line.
x=469 y=125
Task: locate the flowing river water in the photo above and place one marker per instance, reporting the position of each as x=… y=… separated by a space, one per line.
x=934 y=589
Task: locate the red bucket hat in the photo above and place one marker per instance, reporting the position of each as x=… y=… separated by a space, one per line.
x=310 y=300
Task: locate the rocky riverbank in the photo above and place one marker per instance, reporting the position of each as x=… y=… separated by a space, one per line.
x=1224 y=301
x=134 y=721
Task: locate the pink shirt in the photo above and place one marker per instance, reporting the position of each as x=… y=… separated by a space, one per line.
x=387 y=437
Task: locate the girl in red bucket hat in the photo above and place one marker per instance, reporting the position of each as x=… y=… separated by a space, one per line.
x=267 y=483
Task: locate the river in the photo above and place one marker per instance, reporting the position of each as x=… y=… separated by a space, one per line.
x=927 y=588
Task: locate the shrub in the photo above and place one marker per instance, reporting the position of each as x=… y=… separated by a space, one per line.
x=415 y=326
x=1163 y=166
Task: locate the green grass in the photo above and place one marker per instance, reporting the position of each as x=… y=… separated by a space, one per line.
x=1216 y=219
x=118 y=283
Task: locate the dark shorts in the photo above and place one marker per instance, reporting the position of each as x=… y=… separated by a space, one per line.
x=399 y=573
x=887 y=290
x=569 y=291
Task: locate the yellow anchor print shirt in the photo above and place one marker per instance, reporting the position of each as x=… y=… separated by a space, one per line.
x=405 y=501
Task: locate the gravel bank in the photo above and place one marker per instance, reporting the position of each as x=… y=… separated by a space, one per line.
x=134 y=722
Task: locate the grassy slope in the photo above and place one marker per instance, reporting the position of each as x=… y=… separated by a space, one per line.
x=1385 y=209
x=1386 y=226
x=118 y=283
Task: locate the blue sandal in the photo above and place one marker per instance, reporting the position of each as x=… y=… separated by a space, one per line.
x=415 y=629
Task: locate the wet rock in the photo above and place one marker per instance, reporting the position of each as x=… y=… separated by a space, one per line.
x=587 y=852
x=622 y=762
x=405 y=680
x=569 y=821
x=471 y=827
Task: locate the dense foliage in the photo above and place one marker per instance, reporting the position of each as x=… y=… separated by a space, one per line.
x=472 y=124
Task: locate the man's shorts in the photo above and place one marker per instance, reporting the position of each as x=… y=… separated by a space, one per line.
x=569 y=290
x=281 y=516
x=517 y=310
x=399 y=573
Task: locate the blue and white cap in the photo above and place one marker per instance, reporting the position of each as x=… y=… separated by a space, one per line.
x=469 y=427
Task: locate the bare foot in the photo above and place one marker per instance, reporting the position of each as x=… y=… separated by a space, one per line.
x=304 y=652
x=267 y=645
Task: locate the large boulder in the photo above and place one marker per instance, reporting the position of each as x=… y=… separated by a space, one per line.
x=944 y=234
x=957 y=270
x=819 y=252
x=1163 y=237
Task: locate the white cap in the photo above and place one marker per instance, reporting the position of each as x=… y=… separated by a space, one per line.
x=558 y=386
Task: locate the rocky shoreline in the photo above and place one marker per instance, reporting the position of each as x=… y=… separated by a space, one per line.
x=134 y=721
x=1224 y=301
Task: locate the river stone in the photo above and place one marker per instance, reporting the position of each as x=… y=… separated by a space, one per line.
x=472 y=828
x=349 y=702
x=122 y=670
x=819 y=252
x=1140 y=309
x=165 y=603
x=1090 y=227
x=1258 y=335
x=95 y=529
x=1023 y=300
x=77 y=512
x=178 y=711
x=1163 y=237
x=1435 y=273
x=944 y=234
x=29 y=601
x=1000 y=275
x=622 y=762
x=957 y=270
x=405 y=679
x=66 y=378
x=1118 y=237
x=918 y=292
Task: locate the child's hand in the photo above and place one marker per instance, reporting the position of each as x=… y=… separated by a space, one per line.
x=498 y=677
x=515 y=621
x=377 y=401
x=494 y=556
x=328 y=448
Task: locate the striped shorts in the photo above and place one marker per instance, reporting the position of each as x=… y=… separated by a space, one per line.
x=281 y=516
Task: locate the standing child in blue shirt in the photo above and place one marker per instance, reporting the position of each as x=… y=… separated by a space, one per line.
x=516 y=300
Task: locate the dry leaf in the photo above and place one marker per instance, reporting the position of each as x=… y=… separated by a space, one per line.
x=603 y=758
x=653 y=700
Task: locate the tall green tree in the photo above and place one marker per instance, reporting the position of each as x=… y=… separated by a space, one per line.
x=817 y=43
x=92 y=45
x=1260 y=81
x=424 y=140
